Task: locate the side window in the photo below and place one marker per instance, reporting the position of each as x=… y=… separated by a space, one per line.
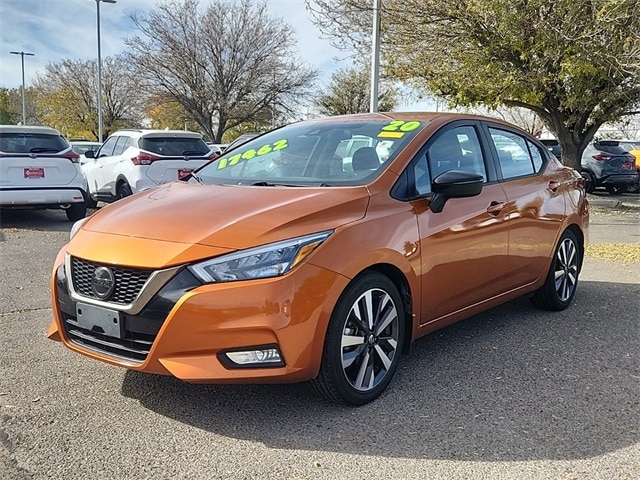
x=107 y=148
x=121 y=145
x=536 y=156
x=456 y=149
x=513 y=153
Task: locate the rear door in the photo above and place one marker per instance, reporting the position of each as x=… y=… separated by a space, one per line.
x=535 y=203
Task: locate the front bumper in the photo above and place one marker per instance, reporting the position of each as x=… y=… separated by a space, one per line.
x=186 y=327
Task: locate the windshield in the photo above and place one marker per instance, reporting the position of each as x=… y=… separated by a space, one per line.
x=314 y=153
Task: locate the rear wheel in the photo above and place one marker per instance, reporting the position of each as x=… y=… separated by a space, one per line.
x=76 y=211
x=591 y=181
x=124 y=190
x=561 y=282
x=363 y=343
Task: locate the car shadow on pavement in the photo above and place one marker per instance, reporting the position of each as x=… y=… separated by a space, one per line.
x=50 y=220
x=511 y=384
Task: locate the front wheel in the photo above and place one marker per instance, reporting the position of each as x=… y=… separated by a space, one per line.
x=363 y=343
x=560 y=285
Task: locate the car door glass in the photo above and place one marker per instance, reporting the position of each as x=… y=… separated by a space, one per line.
x=107 y=148
x=121 y=145
x=456 y=149
x=513 y=154
x=536 y=156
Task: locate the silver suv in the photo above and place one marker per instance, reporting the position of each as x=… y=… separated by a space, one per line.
x=130 y=161
x=38 y=169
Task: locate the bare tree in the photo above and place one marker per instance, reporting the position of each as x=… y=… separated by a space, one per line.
x=66 y=97
x=348 y=92
x=226 y=63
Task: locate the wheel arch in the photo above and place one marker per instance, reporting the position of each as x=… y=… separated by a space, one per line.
x=579 y=234
x=401 y=282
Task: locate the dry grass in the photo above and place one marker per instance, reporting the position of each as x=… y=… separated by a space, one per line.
x=625 y=253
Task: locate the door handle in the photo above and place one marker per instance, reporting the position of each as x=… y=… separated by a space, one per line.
x=495 y=208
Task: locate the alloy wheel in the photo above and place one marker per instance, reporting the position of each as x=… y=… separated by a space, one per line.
x=566 y=269
x=370 y=339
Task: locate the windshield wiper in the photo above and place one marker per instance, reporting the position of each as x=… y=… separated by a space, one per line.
x=270 y=184
x=192 y=152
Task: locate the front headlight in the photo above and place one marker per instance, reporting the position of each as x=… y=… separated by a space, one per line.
x=77 y=226
x=266 y=261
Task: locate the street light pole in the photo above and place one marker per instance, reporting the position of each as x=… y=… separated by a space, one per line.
x=375 y=57
x=100 y=68
x=24 y=108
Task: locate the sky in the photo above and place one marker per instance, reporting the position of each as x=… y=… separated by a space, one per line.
x=55 y=30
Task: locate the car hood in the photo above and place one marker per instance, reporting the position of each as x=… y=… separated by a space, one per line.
x=229 y=217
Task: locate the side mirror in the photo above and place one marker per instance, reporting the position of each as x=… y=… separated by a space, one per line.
x=454 y=184
x=90 y=154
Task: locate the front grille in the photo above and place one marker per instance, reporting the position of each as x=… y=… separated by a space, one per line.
x=128 y=281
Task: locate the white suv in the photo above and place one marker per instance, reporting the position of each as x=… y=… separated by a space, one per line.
x=38 y=169
x=130 y=161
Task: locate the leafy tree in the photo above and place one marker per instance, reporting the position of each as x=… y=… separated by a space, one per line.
x=349 y=92
x=8 y=114
x=572 y=62
x=226 y=63
x=67 y=93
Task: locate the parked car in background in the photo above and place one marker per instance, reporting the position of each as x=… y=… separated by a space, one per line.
x=38 y=170
x=553 y=145
x=633 y=147
x=83 y=146
x=282 y=262
x=606 y=164
x=130 y=161
x=245 y=137
x=218 y=148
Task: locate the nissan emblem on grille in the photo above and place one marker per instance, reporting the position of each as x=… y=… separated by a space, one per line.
x=103 y=282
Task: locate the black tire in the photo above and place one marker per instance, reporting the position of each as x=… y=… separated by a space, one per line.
x=363 y=343
x=76 y=211
x=124 y=190
x=562 y=280
x=591 y=181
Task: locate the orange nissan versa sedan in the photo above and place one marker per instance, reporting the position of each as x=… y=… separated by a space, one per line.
x=320 y=250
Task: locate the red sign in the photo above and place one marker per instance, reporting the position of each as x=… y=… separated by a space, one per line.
x=34 y=173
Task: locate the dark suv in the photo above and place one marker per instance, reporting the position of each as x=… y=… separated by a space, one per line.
x=607 y=164
x=553 y=146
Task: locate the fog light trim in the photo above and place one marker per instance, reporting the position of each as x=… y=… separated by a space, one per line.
x=259 y=356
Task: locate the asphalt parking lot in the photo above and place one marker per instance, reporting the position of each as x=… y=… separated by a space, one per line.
x=513 y=393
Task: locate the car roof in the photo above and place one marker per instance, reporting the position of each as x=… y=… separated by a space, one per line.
x=148 y=132
x=28 y=129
